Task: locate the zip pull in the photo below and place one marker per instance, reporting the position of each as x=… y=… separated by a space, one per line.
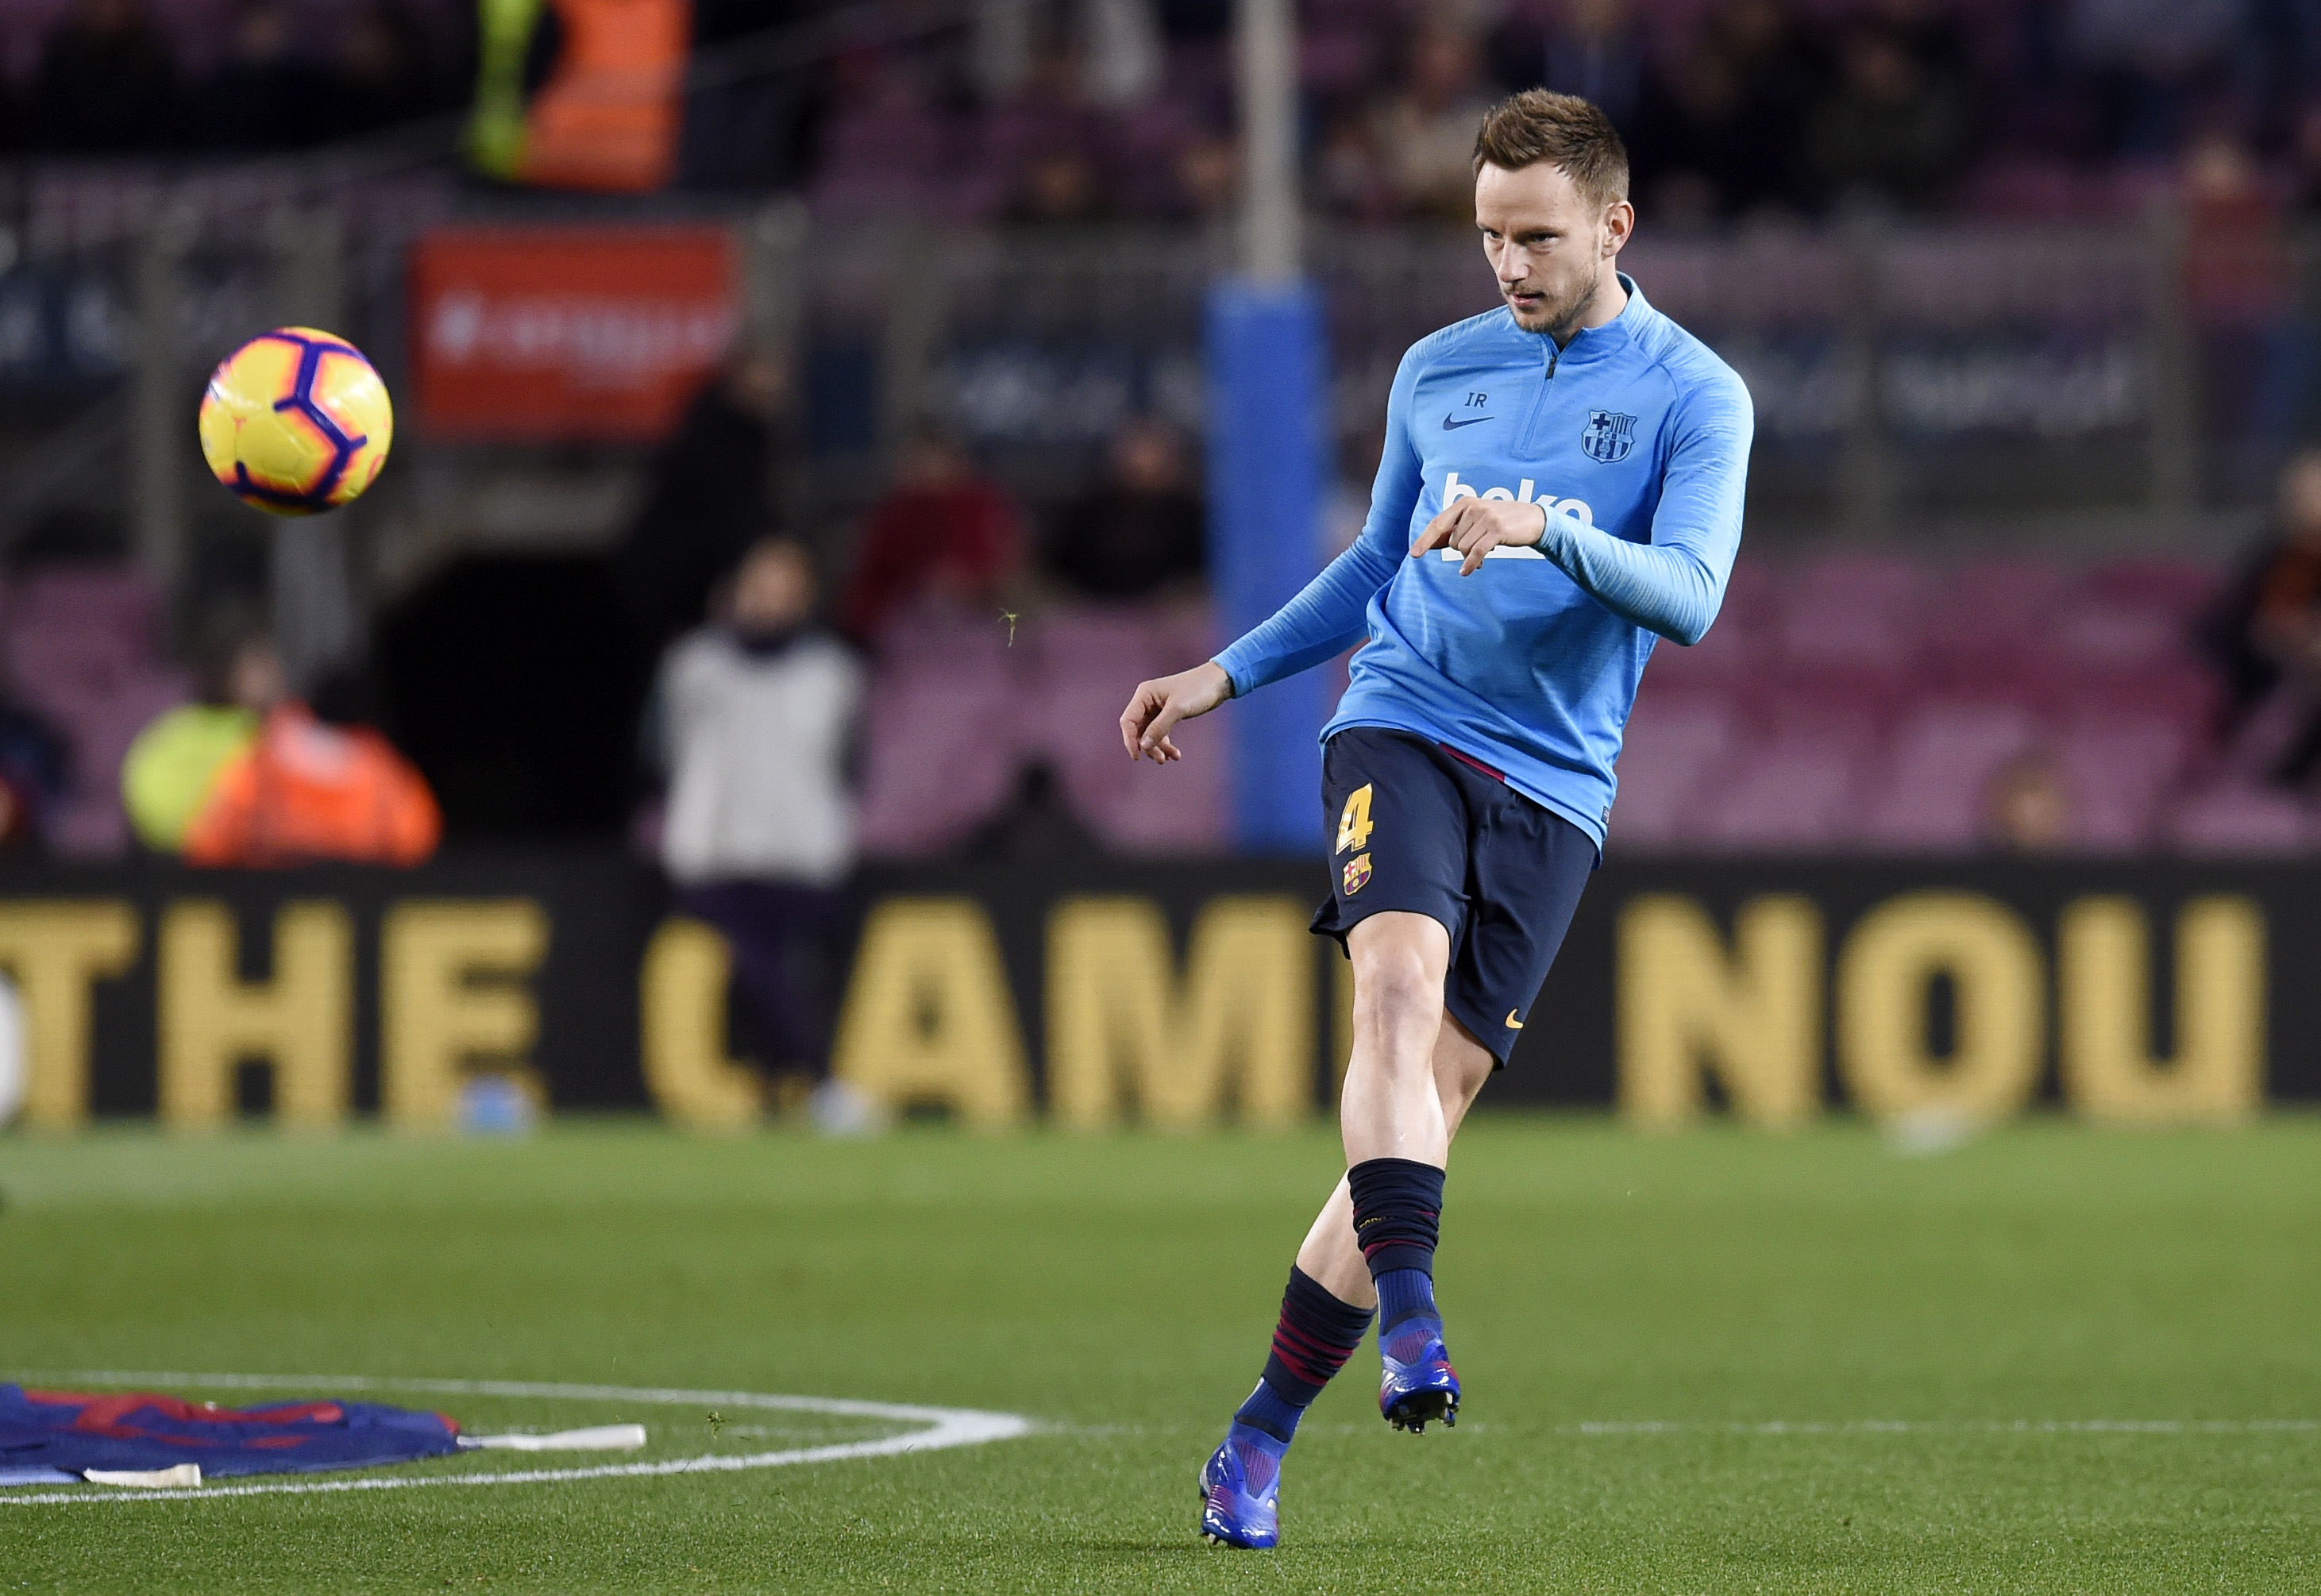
x=1554 y=358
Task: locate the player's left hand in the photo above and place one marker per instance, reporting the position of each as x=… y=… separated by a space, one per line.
x=1474 y=527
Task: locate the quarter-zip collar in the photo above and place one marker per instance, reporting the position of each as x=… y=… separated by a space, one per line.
x=1590 y=345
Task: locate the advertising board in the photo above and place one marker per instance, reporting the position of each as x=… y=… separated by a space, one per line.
x=554 y=334
x=1177 y=995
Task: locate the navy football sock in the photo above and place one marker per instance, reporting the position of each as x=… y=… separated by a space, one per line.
x=1398 y=1212
x=1397 y=1215
x=1402 y=1294
x=1314 y=1336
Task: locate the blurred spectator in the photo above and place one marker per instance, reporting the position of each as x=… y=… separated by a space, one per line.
x=1349 y=177
x=884 y=146
x=1207 y=173
x=2027 y=806
x=1060 y=187
x=1425 y=131
x=175 y=761
x=2305 y=161
x=35 y=769
x=1594 y=49
x=1122 y=58
x=2240 y=288
x=2265 y=635
x=1894 y=127
x=1035 y=826
x=1103 y=52
x=2236 y=269
x=943 y=533
x=1720 y=126
x=2153 y=64
x=759 y=132
x=1139 y=534
x=263 y=96
x=385 y=73
x=293 y=791
x=710 y=492
x=106 y=83
x=758 y=711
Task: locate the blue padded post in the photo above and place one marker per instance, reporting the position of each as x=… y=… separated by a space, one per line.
x=1268 y=408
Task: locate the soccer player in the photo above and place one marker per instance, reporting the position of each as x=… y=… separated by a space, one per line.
x=1561 y=486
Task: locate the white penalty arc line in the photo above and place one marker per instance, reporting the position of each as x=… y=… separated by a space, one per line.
x=947 y=1428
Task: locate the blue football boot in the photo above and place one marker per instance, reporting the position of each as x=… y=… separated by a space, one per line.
x=1238 y=1487
x=1418 y=1384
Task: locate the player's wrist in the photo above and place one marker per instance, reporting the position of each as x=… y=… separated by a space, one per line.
x=1546 y=523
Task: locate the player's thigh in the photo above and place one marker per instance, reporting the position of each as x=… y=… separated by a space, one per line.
x=1397 y=829
x=1401 y=961
x=1528 y=868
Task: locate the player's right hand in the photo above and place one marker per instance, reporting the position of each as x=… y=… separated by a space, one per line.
x=1157 y=704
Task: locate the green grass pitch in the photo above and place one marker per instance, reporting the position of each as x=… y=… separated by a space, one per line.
x=2050 y=1360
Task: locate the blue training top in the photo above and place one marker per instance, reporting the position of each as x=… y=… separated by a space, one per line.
x=1636 y=439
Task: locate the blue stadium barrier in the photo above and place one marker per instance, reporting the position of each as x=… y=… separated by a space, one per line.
x=1268 y=435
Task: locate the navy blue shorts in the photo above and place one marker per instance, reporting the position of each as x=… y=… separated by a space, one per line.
x=1414 y=826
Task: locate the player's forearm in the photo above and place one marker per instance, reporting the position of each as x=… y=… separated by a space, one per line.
x=1670 y=591
x=1322 y=621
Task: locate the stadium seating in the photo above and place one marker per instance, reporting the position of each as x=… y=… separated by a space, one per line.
x=81 y=645
x=1851 y=702
x=959 y=710
x=1858 y=702
x=1868 y=701
x=2226 y=819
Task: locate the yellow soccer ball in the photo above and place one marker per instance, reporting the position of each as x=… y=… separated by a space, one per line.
x=295 y=422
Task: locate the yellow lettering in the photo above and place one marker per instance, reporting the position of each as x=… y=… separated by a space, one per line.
x=682 y=999
x=1115 y=1008
x=928 y=1017
x=1884 y=975
x=54 y=951
x=2103 y=959
x=434 y=1018
x=1354 y=826
x=1753 y=1018
x=302 y=1022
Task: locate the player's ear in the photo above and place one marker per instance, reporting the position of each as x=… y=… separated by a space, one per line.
x=1619 y=224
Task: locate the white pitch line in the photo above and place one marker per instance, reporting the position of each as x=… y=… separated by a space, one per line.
x=1921 y=1427
x=1789 y=1426
x=947 y=1428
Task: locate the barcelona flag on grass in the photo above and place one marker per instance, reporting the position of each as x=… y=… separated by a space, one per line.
x=69 y=1433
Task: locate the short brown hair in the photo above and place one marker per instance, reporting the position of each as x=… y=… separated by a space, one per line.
x=1539 y=125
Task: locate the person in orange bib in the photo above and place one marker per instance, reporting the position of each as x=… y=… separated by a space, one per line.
x=301 y=791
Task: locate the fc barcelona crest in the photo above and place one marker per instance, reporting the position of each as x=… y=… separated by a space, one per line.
x=1609 y=436
x=1357 y=873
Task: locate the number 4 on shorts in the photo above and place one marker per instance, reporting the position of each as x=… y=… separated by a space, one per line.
x=1354 y=822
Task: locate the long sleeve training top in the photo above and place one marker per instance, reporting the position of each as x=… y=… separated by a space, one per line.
x=1635 y=438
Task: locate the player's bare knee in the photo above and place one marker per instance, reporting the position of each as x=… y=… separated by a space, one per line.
x=1397 y=953
x=1394 y=997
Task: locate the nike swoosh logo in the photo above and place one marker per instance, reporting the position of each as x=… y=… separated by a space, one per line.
x=1512 y=1023
x=1450 y=425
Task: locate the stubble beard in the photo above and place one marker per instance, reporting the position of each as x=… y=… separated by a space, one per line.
x=1559 y=319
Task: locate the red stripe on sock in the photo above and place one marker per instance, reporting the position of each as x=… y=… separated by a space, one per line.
x=1306 y=1339
x=1312 y=1374
x=1314 y=1360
